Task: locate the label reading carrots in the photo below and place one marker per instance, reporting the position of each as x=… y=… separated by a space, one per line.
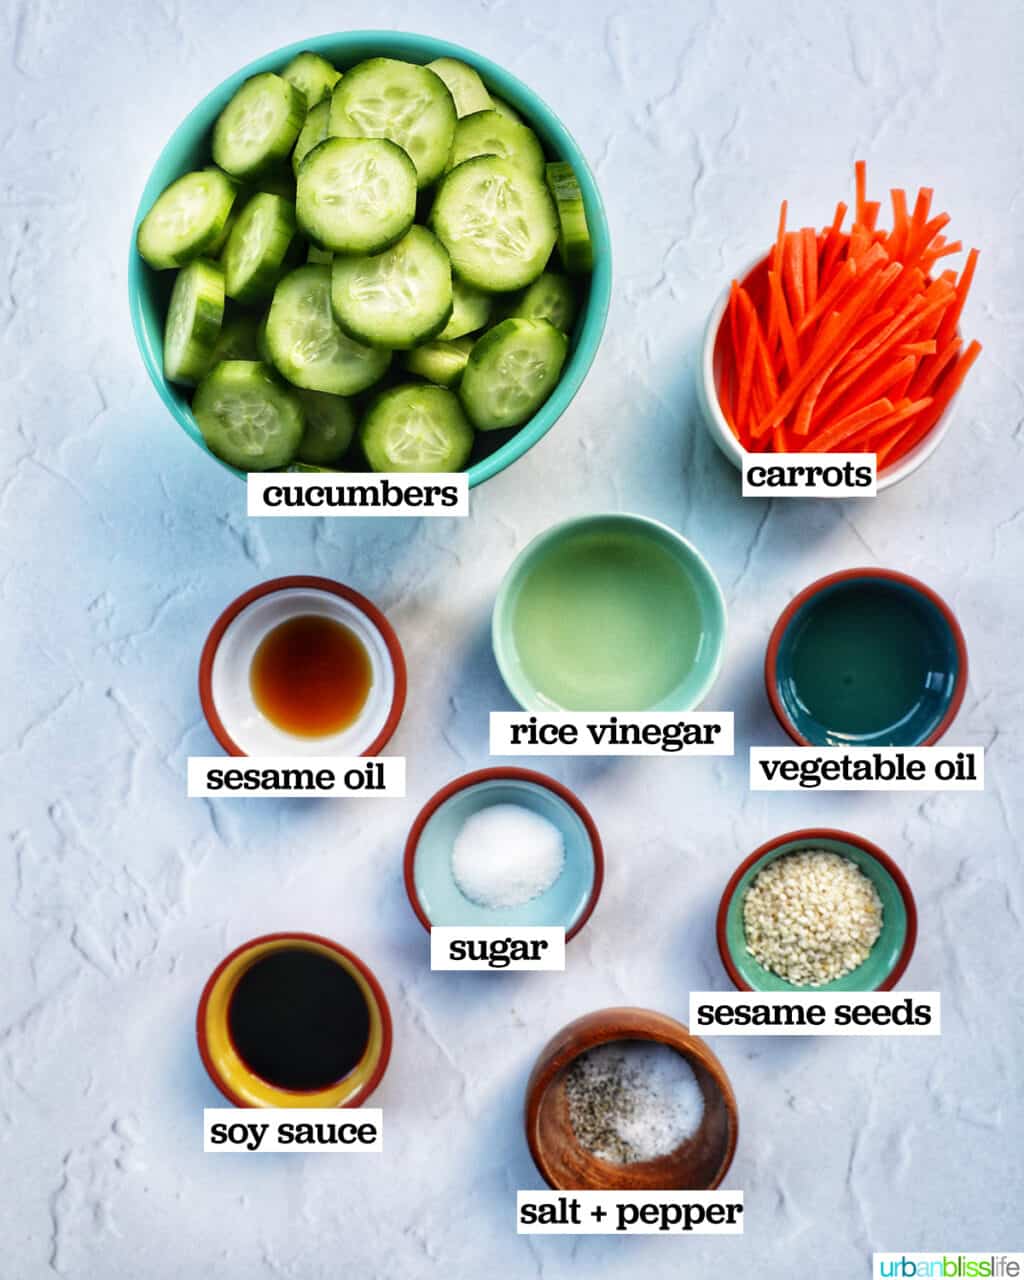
x=817 y=475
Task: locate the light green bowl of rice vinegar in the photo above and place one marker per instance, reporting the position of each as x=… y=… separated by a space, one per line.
x=609 y=613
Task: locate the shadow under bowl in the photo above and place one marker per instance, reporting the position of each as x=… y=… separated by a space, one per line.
x=888 y=958
x=866 y=657
x=433 y=893
x=189 y=149
x=698 y=1164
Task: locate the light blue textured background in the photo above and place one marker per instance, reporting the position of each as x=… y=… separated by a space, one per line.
x=120 y=544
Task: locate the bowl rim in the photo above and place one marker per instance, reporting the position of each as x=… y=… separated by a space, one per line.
x=605 y=1026
x=721 y=433
x=807 y=835
x=501 y=621
x=287 y=935
x=594 y=315
x=310 y=582
x=848 y=575
x=514 y=774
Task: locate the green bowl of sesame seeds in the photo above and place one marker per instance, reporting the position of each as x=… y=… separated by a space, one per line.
x=836 y=915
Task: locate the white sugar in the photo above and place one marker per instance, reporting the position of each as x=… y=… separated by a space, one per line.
x=633 y=1100
x=506 y=855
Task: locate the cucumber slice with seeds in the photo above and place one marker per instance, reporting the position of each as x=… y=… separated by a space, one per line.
x=356 y=195
x=574 y=246
x=330 y=426
x=467 y=89
x=550 y=297
x=258 y=126
x=255 y=252
x=395 y=299
x=409 y=104
x=313 y=76
x=439 y=362
x=416 y=428
x=186 y=220
x=497 y=222
x=505 y=109
x=488 y=133
x=471 y=309
x=194 y=317
x=312 y=133
x=306 y=344
x=247 y=416
x=511 y=371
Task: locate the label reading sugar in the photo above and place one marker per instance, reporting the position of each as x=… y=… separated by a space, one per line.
x=280 y=1129
x=604 y=733
x=637 y=1213
x=818 y=475
x=817 y=1013
x=500 y=947
x=867 y=768
x=264 y=776
x=337 y=493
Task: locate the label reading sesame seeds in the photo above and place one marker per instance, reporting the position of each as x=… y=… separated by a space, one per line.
x=816 y=1013
x=867 y=768
x=262 y=776
x=272 y=493
x=818 y=475
x=586 y=733
x=500 y=947
x=636 y=1213
x=280 y=1129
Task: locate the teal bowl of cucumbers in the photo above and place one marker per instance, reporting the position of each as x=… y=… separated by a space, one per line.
x=369 y=251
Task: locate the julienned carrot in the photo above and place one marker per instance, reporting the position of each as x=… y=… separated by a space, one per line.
x=849 y=323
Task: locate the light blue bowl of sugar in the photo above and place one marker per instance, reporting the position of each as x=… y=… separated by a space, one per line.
x=430 y=880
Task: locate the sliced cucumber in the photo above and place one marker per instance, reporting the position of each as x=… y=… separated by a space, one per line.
x=411 y=105
x=471 y=309
x=258 y=126
x=511 y=371
x=439 y=362
x=194 y=317
x=323 y=257
x=356 y=195
x=217 y=247
x=306 y=344
x=574 y=246
x=237 y=339
x=247 y=416
x=313 y=76
x=330 y=426
x=262 y=349
x=504 y=109
x=550 y=297
x=465 y=86
x=313 y=132
x=489 y=133
x=255 y=253
x=187 y=219
x=497 y=222
x=416 y=428
x=395 y=299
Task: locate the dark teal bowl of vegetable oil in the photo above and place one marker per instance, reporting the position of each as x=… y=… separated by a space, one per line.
x=189 y=149
x=866 y=657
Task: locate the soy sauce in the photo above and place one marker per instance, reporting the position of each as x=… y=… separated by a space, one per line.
x=299 y=1020
x=311 y=676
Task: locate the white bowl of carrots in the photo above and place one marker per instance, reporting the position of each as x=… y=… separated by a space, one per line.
x=842 y=341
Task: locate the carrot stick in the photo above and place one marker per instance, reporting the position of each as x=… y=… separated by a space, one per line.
x=844 y=277
x=810 y=245
x=834 y=241
x=918 y=348
x=860 y=170
x=898 y=235
x=786 y=336
x=875 y=431
x=780 y=238
x=836 y=432
x=871 y=211
x=793 y=276
x=952 y=317
x=947 y=389
x=747 y=365
x=866 y=391
x=929 y=370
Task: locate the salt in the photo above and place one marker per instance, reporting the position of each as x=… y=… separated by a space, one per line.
x=506 y=855
x=633 y=1100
